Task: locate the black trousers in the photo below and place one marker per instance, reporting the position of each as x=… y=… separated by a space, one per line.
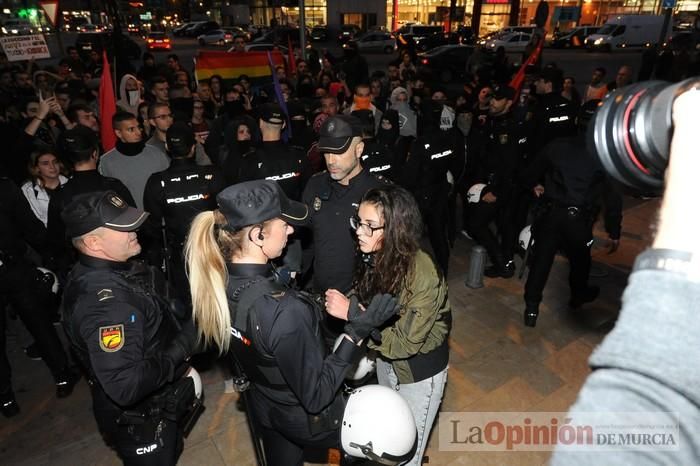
x=481 y=215
x=560 y=228
x=434 y=209
x=285 y=431
x=20 y=286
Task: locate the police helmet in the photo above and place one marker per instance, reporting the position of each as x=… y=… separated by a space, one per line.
x=49 y=279
x=474 y=193
x=378 y=425
x=197 y=380
x=525 y=237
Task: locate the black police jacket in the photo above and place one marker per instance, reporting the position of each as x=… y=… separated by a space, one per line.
x=276 y=161
x=331 y=205
x=378 y=159
x=572 y=176
x=177 y=195
x=121 y=330
x=501 y=155
x=431 y=156
x=18 y=223
x=280 y=345
x=554 y=117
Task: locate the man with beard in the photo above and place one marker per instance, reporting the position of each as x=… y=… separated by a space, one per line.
x=333 y=197
x=131 y=161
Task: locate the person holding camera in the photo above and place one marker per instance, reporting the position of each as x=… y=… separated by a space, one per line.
x=648 y=362
x=126 y=333
x=271 y=332
x=574 y=183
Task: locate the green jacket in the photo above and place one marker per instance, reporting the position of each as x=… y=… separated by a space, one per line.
x=416 y=343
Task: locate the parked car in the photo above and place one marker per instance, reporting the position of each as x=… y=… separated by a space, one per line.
x=90 y=28
x=158 y=41
x=573 y=38
x=237 y=31
x=437 y=39
x=319 y=33
x=447 y=62
x=182 y=29
x=215 y=36
x=16 y=27
x=202 y=28
x=629 y=32
x=512 y=42
x=348 y=32
x=280 y=35
x=415 y=33
x=375 y=42
x=99 y=41
x=264 y=48
x=683 y=40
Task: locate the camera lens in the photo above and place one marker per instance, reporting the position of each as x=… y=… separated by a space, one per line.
x=631 y=134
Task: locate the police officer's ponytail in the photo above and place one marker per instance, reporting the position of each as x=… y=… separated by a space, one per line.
x=208 y=246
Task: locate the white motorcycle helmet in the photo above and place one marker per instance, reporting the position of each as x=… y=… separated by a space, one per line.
x=474 y=193
x=50 y=277
x=197 y=380
x=525 y=237
x=365 y=366
x=378 y=425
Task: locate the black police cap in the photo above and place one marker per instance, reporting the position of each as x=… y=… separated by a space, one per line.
x=179 y=139
x=272 y=113
x=254 y=202
x=90 y=211
x=337 y=132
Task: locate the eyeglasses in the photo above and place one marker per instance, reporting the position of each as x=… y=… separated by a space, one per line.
x=364 y=228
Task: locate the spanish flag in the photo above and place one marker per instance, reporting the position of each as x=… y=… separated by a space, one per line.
x=231 y=65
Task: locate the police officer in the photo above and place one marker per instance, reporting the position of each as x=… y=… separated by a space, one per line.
x=124 y=334
x=333 y=196
x=272 y=332
x=428 y=173
x=496 y=169
x=376 y=158
x=554 y=116
x=574 y=183
x=80 y=147
x=273 y=159
x=20 y=285
x=172 y=198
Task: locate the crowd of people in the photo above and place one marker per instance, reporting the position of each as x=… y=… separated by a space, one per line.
x=251 y=200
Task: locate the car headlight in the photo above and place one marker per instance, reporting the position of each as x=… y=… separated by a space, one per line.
x=598 y=41
x=4 y=31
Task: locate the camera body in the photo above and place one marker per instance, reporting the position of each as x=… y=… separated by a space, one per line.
x=631 y=133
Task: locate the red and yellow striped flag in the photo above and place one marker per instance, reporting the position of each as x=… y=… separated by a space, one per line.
x=231 y=65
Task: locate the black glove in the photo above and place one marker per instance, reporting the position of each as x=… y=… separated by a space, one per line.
x=182 y=345
x=362 y=323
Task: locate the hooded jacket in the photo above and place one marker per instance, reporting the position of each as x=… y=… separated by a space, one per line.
x=123 y=102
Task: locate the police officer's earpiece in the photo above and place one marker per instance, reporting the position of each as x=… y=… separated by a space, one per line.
x=261 y=236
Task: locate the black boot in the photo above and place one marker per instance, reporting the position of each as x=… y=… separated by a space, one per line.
x=500 y=269
x=65 y=383
x=589 y=294
x=8 y=404
x=530 y=315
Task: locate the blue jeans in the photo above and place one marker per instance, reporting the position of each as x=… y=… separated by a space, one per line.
x=423 y=397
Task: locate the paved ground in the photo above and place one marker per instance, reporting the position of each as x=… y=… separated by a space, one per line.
x=496 y=364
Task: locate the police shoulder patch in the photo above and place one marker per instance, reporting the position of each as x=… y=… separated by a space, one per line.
x=105 y=294
x=277 y=294
x=111 y=338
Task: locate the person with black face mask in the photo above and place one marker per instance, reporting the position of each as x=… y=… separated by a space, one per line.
x=428 y=173
x=376 y=158
x=302 y=134
x=131 y=161
x=240 y=138
x=215 y=144
x=389 y=136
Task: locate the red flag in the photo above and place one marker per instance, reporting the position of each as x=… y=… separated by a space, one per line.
x=292 y=61
x=108 y=106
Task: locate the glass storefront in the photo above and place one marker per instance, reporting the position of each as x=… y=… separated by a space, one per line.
x=315 y=11
x=428 y=12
